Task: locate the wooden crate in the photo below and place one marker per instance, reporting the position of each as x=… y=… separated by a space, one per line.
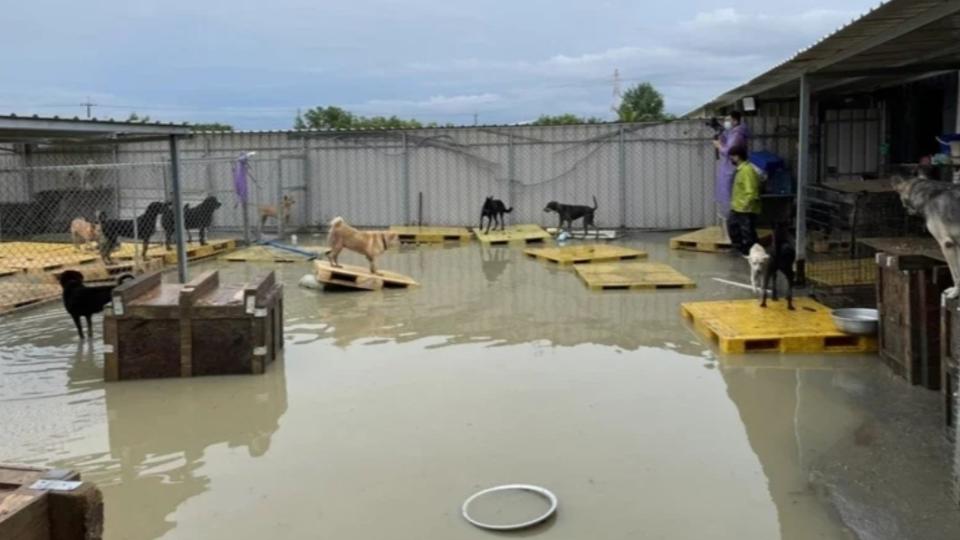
x=157 y=330
x=909 y=289
x=42 y=504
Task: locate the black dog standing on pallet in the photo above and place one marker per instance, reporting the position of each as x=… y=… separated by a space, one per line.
x=146 y=225
x=493 y=211
x=200 y=218
x=82 y=301
x=569 y=213
x=781 y=261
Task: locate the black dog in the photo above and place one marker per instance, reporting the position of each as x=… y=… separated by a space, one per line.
x=569 y=213
x=193 y=218
x=781 y=261
x=493 y=210
x=116 y=228
x=82 y=301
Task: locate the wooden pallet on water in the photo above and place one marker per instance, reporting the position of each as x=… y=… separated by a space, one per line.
x=585 y=254
x=742 y=326
x=516 y=234
x=45 y=262
x=632 y=276
x=195 y=251
x=355 y=277
x=604 y=234
x=431 y=235
x=20 y=294
x=710 y=240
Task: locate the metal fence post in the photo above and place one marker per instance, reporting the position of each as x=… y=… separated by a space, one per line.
x=281 y=208
x=308 y=187
x=178 y=210
x=803 y=174
x=622 y=164
x=511 y=172
x=405 y=179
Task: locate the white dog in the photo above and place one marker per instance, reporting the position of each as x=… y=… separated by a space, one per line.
x=758 y=259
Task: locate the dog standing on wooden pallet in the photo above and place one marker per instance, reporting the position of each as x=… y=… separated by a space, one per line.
x=370 y=244
x=82 y=232
x=569 y=213
x=938 y=203
x=146 y=225
x=493 y=211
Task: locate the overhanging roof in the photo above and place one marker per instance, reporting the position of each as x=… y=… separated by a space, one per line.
x=898 y=40
x=38 y=130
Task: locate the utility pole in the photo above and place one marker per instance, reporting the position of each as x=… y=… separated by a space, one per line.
x=617 y=93
x=476 y=118
x=89 y=107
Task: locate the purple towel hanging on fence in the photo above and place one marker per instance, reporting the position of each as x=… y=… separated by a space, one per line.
x=240 y=179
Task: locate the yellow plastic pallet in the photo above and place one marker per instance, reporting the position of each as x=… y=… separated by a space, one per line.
x=709 y=240
x=355 y=277
x=431 y=235
x=742 y=326
x=632 y=276
x=585 y=254
x=15 y=249
x=842 y=273
x=516 y=234
x=47 y=261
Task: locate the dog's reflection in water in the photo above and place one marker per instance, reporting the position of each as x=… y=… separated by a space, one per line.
x=495 y=261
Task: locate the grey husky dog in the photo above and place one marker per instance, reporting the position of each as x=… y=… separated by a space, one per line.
x=939 y=204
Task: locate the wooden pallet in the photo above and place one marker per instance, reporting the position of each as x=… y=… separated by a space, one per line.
x=45 y=262
x=605 y=234
x=99 y=272
x=15 y=249
x=632 y=276
x=585 y=254
x=267 y=254
x=195 y=251
x=355 y=277
x=21 y=294
x=842 y=272
x=710 y=240
x=39 y=504
x=516 y=234
x=431 y=235
x=742 y=326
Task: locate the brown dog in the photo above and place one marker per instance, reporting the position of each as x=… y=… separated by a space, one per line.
x=83 y=232
x=370 y=244
x=268 y=211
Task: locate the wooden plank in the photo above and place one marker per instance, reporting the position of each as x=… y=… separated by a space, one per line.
x=19 y=294
x=604 y=234
x=356 y=277
x=584 y=254
x=431 y=235
x=632 y=276
x=924 y=246
x=267 y=254
x=23 y=515
x=742 y=326
x=710 y=240
x=516 y=234
x=135 y=288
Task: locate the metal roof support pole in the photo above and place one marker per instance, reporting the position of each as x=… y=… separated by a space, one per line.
x=178 y=210
x=622 y=173
x=803 y=178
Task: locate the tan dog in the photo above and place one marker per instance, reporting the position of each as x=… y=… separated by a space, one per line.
x=370 y=244
x=82 y=232
x=270 y=211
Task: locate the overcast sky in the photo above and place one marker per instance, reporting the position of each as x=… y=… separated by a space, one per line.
x=254 y=63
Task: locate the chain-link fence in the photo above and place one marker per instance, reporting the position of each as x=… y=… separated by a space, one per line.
x=99 y=213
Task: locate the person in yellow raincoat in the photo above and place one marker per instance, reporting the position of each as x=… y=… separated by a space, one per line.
x=744 y=202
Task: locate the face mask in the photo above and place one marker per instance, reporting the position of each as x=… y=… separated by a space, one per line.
x=727 y=124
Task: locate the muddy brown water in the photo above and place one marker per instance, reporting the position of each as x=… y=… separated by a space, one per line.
x=391 y=408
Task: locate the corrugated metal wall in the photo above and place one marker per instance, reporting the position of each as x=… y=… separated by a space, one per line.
x=646 y=176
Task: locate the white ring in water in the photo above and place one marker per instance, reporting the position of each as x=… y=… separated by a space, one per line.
x=545 y=493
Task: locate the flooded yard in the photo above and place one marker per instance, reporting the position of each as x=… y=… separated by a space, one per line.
x=390 y=408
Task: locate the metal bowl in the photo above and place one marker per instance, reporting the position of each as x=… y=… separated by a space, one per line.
x=859 y=322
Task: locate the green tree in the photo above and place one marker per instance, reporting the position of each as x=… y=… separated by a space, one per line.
x=134 y=117
x=565 y=119
x=642 y=103
x=338 y=118
x=211 y=126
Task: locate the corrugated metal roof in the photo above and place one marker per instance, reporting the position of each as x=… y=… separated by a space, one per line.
x=37 y=129
x=895 y=34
